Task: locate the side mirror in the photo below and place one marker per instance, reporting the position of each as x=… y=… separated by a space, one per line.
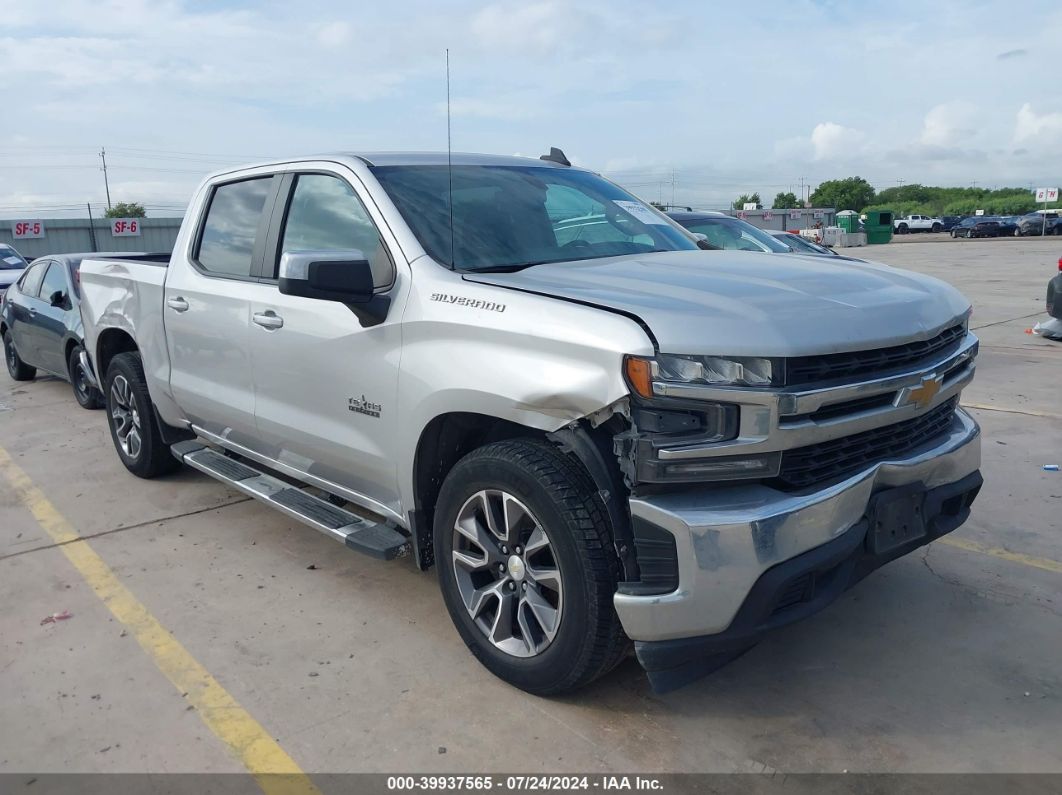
x=343 y=276
x=58 y=298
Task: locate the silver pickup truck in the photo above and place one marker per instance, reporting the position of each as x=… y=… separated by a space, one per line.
x=516 y=371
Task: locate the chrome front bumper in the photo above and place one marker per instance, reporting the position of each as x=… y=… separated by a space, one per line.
x=726 y=538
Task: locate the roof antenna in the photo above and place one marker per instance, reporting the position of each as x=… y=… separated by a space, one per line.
x=556 y=156
x=449 y=161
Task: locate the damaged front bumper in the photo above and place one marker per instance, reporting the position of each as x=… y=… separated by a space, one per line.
x=751 y=558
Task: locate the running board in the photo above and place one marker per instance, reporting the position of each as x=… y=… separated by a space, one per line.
x=358 y=533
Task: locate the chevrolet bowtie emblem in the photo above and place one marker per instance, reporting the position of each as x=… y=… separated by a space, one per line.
x=923 y=394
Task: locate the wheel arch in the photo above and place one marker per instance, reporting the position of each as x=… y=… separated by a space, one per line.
x=448 y=437
x=111 y=342
x=444 y=441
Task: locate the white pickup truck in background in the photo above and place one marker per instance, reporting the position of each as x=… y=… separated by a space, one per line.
x=917 y=223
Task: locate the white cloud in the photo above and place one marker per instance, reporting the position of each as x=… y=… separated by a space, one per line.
x=537 y=27
x=1031 y=126
x=830 y=140
x=949 y=124
x=334 y=34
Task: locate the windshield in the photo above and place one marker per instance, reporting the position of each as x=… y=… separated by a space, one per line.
x=735 y=234
x=799 y=243
x=510 y=217
x=11 y=259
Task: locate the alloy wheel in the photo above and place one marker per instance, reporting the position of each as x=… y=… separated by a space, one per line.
x=126 y=417
x=507 y=573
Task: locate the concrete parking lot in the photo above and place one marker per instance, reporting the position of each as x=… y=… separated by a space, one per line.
x=946 y=660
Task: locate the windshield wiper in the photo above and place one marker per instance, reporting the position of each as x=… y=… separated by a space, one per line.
x=503 y=268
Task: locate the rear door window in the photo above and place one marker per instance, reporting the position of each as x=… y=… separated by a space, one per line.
x=31 y=282
x=227 y=240
x=54 y=282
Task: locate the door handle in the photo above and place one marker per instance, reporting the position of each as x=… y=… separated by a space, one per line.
x=269 y=319
x=177 y=304
x=33 y=310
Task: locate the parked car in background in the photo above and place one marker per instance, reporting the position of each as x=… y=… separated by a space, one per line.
x=40 y=323
x=1055 y=227
x=917 y=223
x=1035 y=224
x=722 y=231
x=949 y=222
x=1007 y=224
x=801 y=245
x=12 y=264
x=977 y=226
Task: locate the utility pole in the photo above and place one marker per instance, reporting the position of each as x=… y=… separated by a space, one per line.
x=106 y=184
x=92 y=228
x=673 y=188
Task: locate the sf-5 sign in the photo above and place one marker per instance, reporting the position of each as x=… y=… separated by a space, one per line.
x=125 y=227
x=21 y=230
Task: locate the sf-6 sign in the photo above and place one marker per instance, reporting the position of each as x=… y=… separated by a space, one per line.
x=21 y=230
x=125 y=227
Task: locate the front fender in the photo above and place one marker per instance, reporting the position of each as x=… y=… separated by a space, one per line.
x=539 y=362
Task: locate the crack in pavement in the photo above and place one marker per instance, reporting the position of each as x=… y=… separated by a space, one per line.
x=123 y=528
x=984 y=593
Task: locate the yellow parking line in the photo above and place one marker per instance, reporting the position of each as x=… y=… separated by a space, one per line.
x=275 y=771
x=1003 y=554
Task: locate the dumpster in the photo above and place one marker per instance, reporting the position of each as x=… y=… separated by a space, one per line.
x=878 y=226
x=848 y=220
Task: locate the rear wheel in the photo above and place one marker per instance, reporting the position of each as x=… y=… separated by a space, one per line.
x=937 y=227
x=526 y=566
x=16 y=368
x=87 y=396
x=131 y=417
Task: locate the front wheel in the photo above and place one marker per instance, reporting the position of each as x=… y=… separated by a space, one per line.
x=527 y=567
x=902 y=229
x=131 y=417
x=1017 y=231
x=87 y=396
x=16 y=368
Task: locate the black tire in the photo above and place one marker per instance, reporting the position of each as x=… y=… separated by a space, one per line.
x=151 y=456
x=86 y=395
x=589 y=639
x=937 y=228
x=903 y=229
x=16 y=368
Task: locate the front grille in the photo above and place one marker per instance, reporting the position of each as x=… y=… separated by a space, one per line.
x=820 y=463
x=810 y=369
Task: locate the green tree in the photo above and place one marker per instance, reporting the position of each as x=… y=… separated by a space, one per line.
x=851 y=193
x=745 y=198
x=786 y=201
x=126 y=210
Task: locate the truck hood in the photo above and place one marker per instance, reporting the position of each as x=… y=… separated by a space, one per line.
x=749 y=304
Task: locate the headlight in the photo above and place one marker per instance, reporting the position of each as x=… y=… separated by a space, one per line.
x=707 y=370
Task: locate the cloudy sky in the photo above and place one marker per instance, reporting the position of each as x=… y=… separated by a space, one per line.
x=708 y=100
